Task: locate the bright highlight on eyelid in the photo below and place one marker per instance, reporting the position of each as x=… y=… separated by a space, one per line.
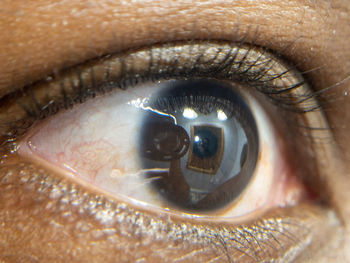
x=104 y=152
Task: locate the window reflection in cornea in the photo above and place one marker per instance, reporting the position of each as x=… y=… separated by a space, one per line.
x=263 y=238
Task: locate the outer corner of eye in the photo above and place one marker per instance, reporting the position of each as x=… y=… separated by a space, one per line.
x=197 y=147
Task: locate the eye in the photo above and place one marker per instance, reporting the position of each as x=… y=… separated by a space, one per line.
x=185 y=127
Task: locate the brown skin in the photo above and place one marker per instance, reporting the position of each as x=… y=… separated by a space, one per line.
x=38 y=37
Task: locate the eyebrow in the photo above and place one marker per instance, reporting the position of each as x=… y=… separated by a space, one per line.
x=60 y=34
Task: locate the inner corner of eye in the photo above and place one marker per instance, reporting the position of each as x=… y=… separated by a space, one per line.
x=195 y=146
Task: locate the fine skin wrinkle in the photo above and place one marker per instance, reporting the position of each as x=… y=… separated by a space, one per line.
x=45 y=217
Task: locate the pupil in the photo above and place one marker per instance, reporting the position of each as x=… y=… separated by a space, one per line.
x=198 y=144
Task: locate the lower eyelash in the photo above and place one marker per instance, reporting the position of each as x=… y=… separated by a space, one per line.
x=245 y=64
x=280 y=234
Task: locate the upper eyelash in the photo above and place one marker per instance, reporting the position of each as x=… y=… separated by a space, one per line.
x=261 y=79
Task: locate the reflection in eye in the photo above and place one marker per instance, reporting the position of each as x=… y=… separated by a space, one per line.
x=111 y=145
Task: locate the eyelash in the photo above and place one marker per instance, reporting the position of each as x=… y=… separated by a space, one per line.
x=261 y=70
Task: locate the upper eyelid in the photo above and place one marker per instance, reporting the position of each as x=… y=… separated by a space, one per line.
x=79 y=47
x=241 y=34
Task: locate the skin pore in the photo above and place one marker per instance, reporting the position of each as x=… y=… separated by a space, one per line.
x=39 y=38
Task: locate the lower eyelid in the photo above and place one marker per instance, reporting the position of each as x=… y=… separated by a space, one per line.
x=90 y=217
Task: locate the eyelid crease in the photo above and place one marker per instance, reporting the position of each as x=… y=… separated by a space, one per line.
x=247 y=64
